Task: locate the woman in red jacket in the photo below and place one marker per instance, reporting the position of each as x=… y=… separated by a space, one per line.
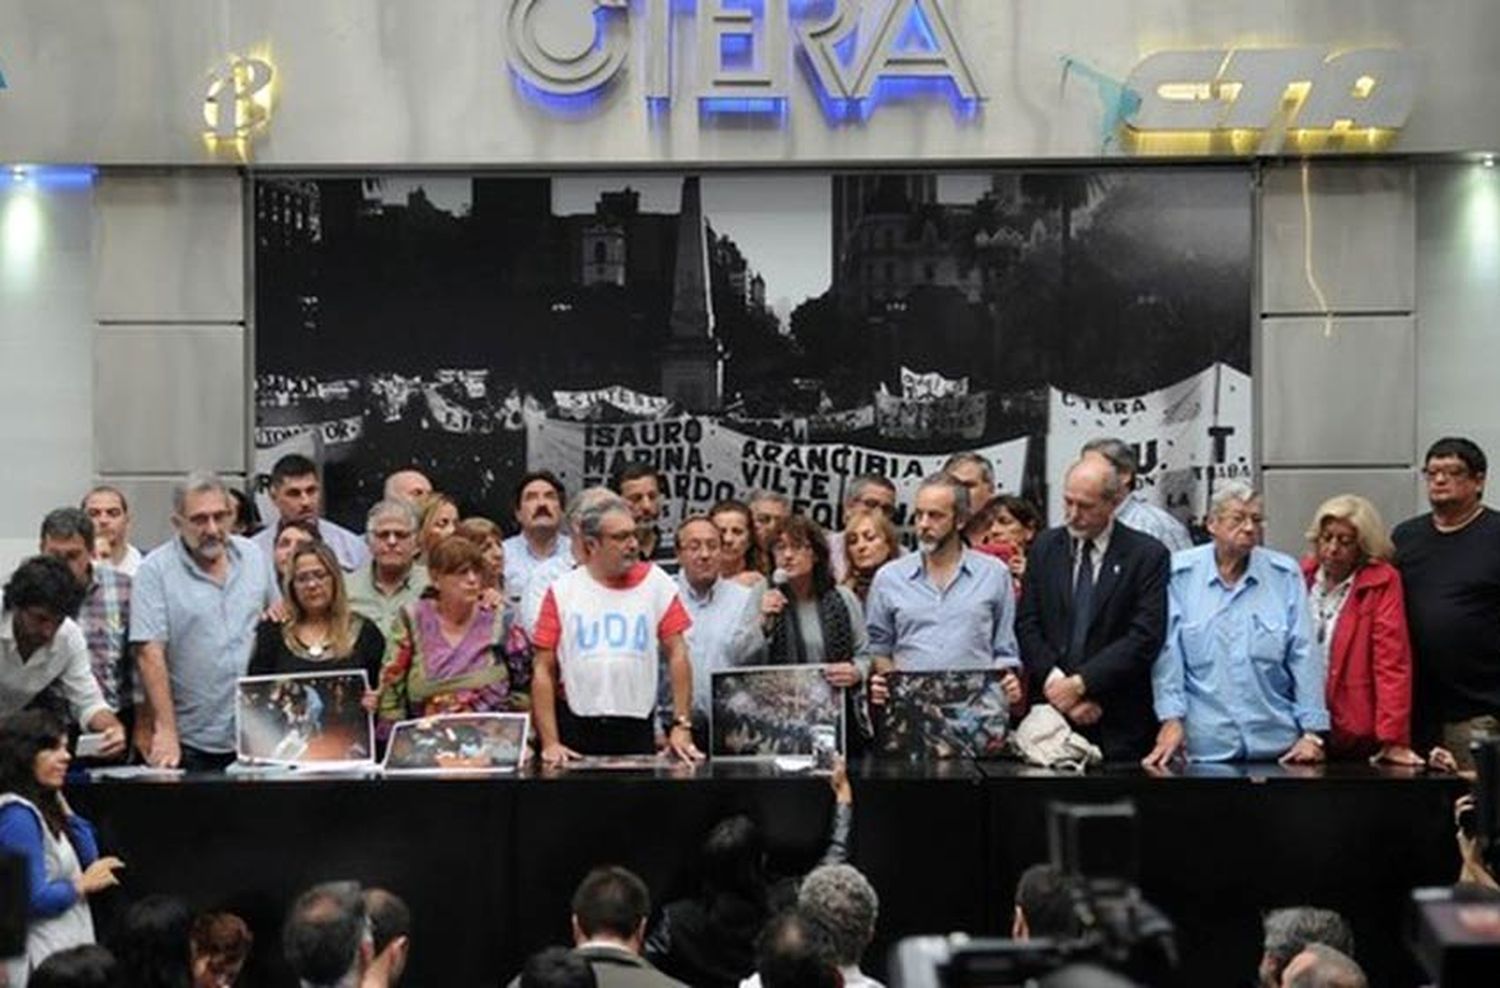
x=1359 y=621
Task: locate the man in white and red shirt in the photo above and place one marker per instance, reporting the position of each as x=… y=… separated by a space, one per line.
x=603 y=627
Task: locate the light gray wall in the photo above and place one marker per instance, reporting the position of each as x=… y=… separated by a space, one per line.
x=1336 y=377
x=46 y=339
x=170 y=353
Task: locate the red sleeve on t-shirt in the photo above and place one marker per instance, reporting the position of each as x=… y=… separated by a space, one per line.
x=548 y=630
x=675 y=621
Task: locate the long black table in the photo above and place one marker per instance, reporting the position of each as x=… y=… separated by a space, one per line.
x=489 y=865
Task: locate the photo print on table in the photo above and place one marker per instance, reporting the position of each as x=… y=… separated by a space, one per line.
x=770 y=712
x=304 y=719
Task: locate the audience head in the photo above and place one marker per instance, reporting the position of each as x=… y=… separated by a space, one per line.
x=152 y=944
x=315 y=588
x=391 y=531
x=246 y=520
x=491 y=542
x=611 y=903
x=540 y=497
x=68 y=535
x=1347 y=532
x=737 y=537
x=39 y=596
x=640 y=484
x=974 y=473
x=940 y=510
x=220 y=944
x=1046 y=905
x=34 y=761
x=1321 y=966
x=1119 y=455
x=88 y=966
x=1090 y=493
x=610 y=534
x=871 y=492
x=457 y=569
x=201 y=513
x=439 y=520
x=700 y=551
x=410 y=485
x=108 y=510
x=327 y=937
x=584 y=500
x=795 y=951
x=1455 y=469
x=390 y=928
x=1289 y=931
x=800 y=549
x=1235 y=520
x=1005 y=520
x=768 y=510
x=291 y=534
x=844 y=901
x=733 y=859
x=295 y=488
x=870 y=540
x=557 y=967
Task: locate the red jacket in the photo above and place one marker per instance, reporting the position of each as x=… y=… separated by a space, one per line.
x=1369 y=663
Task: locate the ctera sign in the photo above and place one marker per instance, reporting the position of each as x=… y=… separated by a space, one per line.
x=566 y=53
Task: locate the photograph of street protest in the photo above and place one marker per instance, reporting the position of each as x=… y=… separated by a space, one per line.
x=763 y=712
x=459 y=743
x=779 y=331
x=950 y=714
x=304 y=719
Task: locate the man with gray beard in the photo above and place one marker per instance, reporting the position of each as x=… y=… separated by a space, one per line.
x=945 y=607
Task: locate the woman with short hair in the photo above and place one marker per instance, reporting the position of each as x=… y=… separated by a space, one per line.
x=870 y=541
x=446 y=654
x=1359 y=621
x=808 y=618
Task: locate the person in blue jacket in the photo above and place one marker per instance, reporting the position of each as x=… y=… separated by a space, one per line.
x=63 y=865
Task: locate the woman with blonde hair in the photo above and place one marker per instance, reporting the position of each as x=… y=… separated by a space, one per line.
x=320 y=633
x=870 y=541
x=1359 y=621
x=439 y=520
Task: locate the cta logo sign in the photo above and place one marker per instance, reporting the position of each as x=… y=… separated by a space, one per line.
x=565 y=51
x=1296 y=89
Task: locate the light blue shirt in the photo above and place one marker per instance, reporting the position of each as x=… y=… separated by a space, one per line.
x=208 y=631
x=725 y=632
x=1238 y=666
x=969 y=625
x=521 y=562
x=1143 y=516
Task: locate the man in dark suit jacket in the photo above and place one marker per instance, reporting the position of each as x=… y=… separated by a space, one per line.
x=1089 y=637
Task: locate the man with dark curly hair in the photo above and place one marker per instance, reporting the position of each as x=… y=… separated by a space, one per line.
x=43 y=654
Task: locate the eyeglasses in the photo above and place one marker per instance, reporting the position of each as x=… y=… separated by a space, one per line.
x=1444 y=473
x=1239 y=519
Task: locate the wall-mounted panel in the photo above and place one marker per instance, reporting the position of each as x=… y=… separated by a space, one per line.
x=1339 y=396
x=1458 y=289
x=1291 y=497
x=169 y=399
x=1362 y=236
x=169 y=247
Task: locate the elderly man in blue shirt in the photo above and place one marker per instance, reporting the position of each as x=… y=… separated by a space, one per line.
x=1238 y=678
x=945 y=607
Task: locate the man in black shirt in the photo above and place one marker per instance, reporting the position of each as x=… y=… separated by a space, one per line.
x=1450 y=565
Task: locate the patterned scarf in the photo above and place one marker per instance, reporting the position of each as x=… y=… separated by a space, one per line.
x=786 y=645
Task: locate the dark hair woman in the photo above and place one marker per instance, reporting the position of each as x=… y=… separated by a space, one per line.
x=808 y=618
x=63 y=865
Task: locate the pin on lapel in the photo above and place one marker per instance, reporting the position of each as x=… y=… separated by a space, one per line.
x=1117 y=569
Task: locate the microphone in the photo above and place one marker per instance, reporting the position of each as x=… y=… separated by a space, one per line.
x=779 y=580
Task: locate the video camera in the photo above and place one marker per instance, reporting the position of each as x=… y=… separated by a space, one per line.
x=1094 y=846
x=1456 y=933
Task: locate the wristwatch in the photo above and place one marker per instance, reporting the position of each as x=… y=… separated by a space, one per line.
x=1315 y=738
x=686 y=723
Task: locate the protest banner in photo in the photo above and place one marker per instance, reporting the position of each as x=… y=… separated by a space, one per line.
x=304 y=719
x=765 y=712
x=1186 y=437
